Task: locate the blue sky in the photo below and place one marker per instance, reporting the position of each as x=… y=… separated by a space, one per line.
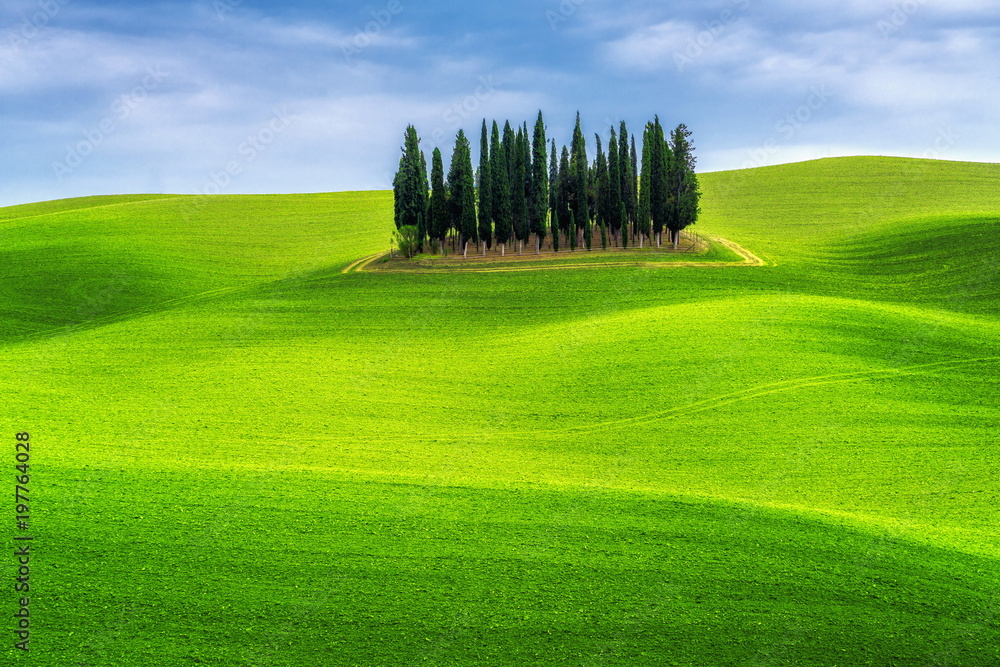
x=259 y=96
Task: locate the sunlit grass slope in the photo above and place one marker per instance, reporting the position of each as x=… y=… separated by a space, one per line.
x=84 y=261
x=253 y=459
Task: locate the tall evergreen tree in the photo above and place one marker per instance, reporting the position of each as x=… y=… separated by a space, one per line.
x=682 y=184
x=554 y=196
x=645 y=211
x=614 y=188
x=502 y=216
x=579 y=179
x=485 y=231
x=438 y=216
x=518 y=187
x=601 y=188
x=628 y=179
x=539 y=200
x=566 y=223
x=462 y=185
x=410 y=183
x=660 y=158
x=634 y=164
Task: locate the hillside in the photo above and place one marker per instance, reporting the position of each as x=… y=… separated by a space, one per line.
x=243 y=456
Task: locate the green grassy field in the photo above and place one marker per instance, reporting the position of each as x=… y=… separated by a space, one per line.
x=243 y=456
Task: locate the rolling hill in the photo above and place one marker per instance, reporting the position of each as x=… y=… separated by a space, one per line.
x=243 y=456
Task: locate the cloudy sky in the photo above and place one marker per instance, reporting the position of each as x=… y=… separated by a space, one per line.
x=255 y=96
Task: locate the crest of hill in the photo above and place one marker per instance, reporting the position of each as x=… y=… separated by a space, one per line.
x=886 y=225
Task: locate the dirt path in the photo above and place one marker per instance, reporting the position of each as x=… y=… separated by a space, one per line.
x=749 y=259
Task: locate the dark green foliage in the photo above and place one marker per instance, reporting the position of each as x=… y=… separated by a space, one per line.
x=614 y=188
x=682 y=184
x=410 y=183
x=554 y=224
x=502 y=217
x=485 y=232
x=539 y=185
x=462 y=186
x=627 y=173
x=601 y=186
x=579 y=178
x=553 y=196
x=633 y=211
x=645 y=211
x=439 y=220
x=623 y=223
x=659 y=164
x=566 y=223
x=406 y=240
x=519 y=187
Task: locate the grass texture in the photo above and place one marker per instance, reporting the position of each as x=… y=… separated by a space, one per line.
x=244 y=456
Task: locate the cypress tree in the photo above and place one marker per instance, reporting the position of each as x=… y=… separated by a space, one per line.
x=614 y=188
x=644 y=215
x=528 y=185
x=628 y=181
x=554 y=196
x=485 y=232
x=601 y=188
x=410 y=183
x=518 y=189
x=579 y=179
x=462 y=185
x=539 y=202
x=659 y=159
x=438 y=222
x=634 y=164
x=503 y=226
x=682 y=182
x=566 y=223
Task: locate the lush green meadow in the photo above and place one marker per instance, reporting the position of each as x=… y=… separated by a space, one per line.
x=244 y=456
